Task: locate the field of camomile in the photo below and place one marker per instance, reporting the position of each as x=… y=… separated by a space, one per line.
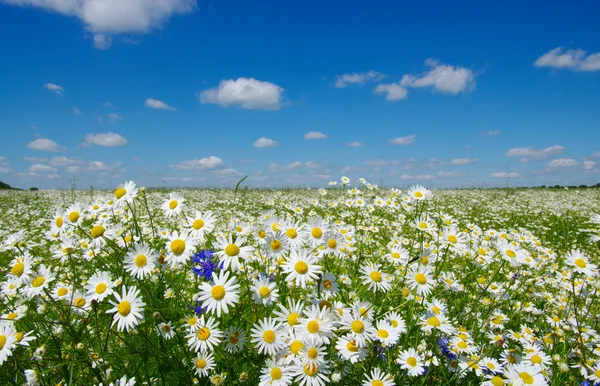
x=349 y=285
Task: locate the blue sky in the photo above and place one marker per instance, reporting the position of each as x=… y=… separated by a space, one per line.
x=201 y=94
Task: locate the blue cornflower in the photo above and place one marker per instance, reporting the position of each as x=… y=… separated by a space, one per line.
x=204 y=264
x=443 y=343
x=198 y=308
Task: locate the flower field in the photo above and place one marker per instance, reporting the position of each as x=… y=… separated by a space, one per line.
x=350 y=285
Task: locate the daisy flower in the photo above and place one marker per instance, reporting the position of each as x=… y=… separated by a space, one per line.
x=311 y=374
x=206 y=336
x=74 y=214
x=264 y=291
x=99 y=286
x=419 y=193
x=222 y=293
x=230 y=252
x=385 y=333
x=268 y=336
x=523 y=374
x=316 y=228
x=419 y=278
x=359 y=327
x=125 y=193
x=347 y=348
x=430 y=321
x=235 y=339
x=374 y=278
x=396 y=321
x=7 y=341
x=411 y=361
x=128 y=309
x=329 y=286
x=580 y=263
x=20 y=268
x=180 y=247
x=378 y=378
x=275 y=373
x=295 y=233
x=316 y=323
x=301 y=268
x=173 y=205
x=203 y=363
x=39 y=281
x=289 y=315
x=140 y=262
x=201 y=223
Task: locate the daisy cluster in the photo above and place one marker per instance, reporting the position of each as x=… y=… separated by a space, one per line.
x=347 y=285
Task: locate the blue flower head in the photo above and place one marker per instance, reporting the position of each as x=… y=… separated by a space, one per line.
x=198 y=308
x=443 y=343
x=204 y=265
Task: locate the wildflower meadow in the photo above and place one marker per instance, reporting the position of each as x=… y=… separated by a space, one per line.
x=350 y=284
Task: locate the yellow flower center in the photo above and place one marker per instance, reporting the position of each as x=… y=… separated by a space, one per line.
x=357 y=326
x=327 y=284
x=434 y=321
x=234 y=338
x=120 y=192
x=218 y=292
x=198 y=224
x=124 y=308
x=58 y=222
x=200 y=363
x=18 y=269
x=526 y=378
x=375 y=276
x=79 y=302
x=276 y=373
x=423 y=225
x=311 y=370
x=580 y=263
x=264 y=292
x=313 y=326
x=2 y=341
x=452 y=239
x=173 y=204
x=351 y=346
x=178 y=246
x=275 y=245
x=317 y=233
x=312 y=353
x=332 y=244
x=140 y=261
x=536 y=359
x=232 y=250
x=100 y=288
x=418 y=194
x=383 y=334
x=421 y=278
x=269 y=336
x=192 y=321
x=301 y=267
x=462 y=345
x=394 y=323
x=38 y=281
x=73 y=216
x=376 y=382
x=97 y=231
x=203 y=333
x=424 y=260
x=62 y=291
x=292 y=318
x=296 y=346
x=510 y=253
x=291 y=233
x=12 y=316
x=275 y=227
x=412 y=361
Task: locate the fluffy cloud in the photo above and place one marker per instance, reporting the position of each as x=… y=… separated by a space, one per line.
x=505 y=175
x=314 y=135
x=76 y=111
x=293 y=165
x=227 y=172
x=39 y=168
x=210 y=162
x=54 y=88
x=421 y=177
x=528 y=152
x=104 y=139
x=572 y=59
x=403 y=140
x=265 y=142
x=589 y=165
x=44 y=144
x=114 y=117
x=392 y=91
x=463 y=161
x=105 y=18
x=442 y=77
x=381 y=162
x=355 y=144
x=358 y=78
x=159 y=105
x=247 y=93
x=447 y=174
x=65 y=161
x=491 y=133
x=560 y=163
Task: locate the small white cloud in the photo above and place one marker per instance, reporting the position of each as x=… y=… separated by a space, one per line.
x=279 y=168
x=104 y=139
x=102 y=41
x=505 y=175
x=560 y=163
x=572 y=59
x=528 y=152
x=65 y=161
x=227 y=172
x=54 y=88
x=447 y=174
x=355 y=144
x=247 y=93
x=381 y=162
x=265 y=142
x=403 y=140
x=314 y=135
x=491 y=133
x=210 y=162
x=393 y=91
x=444 y=78
x=159 y=105
x=589 y=165
x=44 y=144
x=463 y=161
x=76 y=111
x=114 y=117
x=421 y=177
x=358 y=78
x=39 y=168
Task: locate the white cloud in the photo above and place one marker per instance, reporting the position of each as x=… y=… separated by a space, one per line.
x=39 y=168
x=54 y=88
x=114 y=117
x=355 y=144
x=104 y=139
x=528 y=152
x=463 y=161
x=314 y=135
x=562 y=163
x=447 y=174
x=5 y=170
x=210 y=162
x=358 y=78
x=403 y=140
x=392 y=91
x=227 y=172
x=279 y=168
x=505 y=175
x=381 y=162
x=44 y=144
x=65 y=161
x=248 y=93
x=442 y=77
x=348 y=169
x=159 y=105
x=423 y=177
x=573 y=59
x=76 y=111
x=265 y=142
x=589 y=165
x=491 y=133
x=105 y=18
